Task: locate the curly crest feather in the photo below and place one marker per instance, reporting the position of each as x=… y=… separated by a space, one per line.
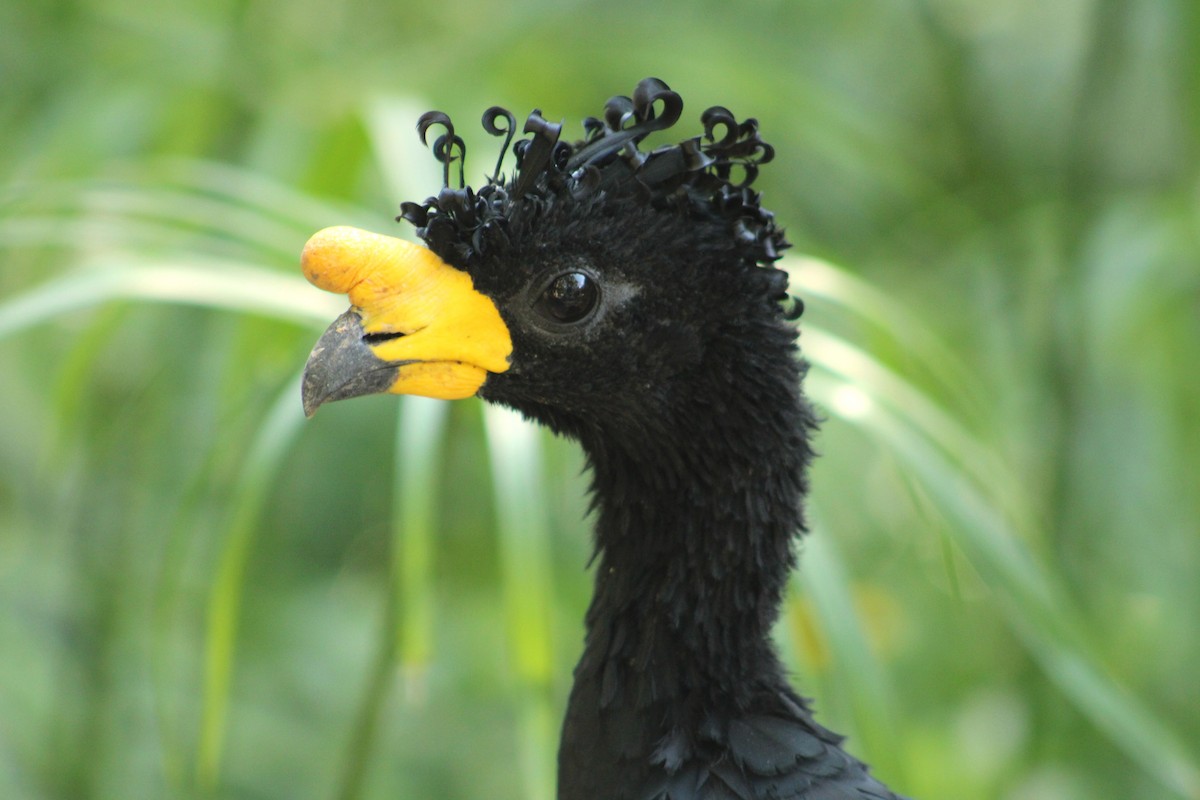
x=706 y=178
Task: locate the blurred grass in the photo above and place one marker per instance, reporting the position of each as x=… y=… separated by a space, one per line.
x=200 y=596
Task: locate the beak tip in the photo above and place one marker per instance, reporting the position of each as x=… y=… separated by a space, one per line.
x=341 y=365
x=310 y=396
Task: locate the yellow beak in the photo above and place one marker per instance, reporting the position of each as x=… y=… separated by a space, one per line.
x=416 y=325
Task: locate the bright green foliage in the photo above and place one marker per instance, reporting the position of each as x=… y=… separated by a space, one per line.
x=203 y=595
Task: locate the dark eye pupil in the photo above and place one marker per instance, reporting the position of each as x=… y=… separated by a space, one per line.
x=569 y=297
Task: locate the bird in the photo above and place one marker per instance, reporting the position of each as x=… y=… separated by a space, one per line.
x=625 y=297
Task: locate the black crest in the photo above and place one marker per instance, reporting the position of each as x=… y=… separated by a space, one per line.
x=707 y=177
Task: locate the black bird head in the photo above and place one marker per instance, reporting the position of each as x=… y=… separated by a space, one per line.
x=599 y=285
x=626 y=297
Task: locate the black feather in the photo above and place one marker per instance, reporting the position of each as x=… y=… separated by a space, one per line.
x=683 y=387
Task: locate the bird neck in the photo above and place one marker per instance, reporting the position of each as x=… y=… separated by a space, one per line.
x=695 y=532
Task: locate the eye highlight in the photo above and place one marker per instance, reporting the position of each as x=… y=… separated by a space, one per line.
x=569 y=298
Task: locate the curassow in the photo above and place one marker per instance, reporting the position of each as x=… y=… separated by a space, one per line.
x=625 y=298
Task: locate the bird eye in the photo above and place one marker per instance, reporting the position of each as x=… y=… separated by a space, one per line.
x=569 y=298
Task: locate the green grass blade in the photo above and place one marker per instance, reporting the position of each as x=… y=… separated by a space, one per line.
x=1036 y=608
x=406 y=633
x=232 y=287
x=185 y=202
x=862 y=682
x=263 y=459
x=419 y=438
x=514 y=451
x=406 y=164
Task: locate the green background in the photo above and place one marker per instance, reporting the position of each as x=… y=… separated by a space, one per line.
x=996 y=213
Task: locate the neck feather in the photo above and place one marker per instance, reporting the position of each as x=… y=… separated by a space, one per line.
x=695 y=531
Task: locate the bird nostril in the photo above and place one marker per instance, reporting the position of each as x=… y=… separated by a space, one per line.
x=385 y=336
